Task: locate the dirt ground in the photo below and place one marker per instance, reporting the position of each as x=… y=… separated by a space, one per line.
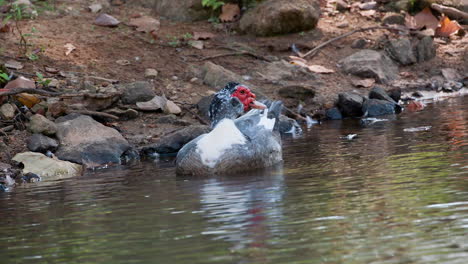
x=98 y=49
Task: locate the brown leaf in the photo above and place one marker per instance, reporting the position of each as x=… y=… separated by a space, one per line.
x=69 y=48
x=319 y=69
x=415 y=106
x=198 y=44
x=145 y=24
x=425 y=18
x=366 y=83
x=5 y=27
x=447 y=27
x=203 y=35
x=229 y=13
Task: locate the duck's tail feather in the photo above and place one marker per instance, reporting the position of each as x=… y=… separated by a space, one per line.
x=274 y=111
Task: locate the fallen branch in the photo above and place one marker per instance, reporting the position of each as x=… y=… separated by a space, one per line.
x=30 y=91
x=93 y=113
x=450 y=11
x=315 y=50
x=294 y=115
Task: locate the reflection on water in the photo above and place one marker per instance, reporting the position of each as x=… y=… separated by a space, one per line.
x=386 y=196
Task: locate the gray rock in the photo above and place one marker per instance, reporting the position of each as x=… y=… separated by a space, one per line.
x=393 y=19
x=41 y=143
x=376 y=107
x=217 y=76
x=172 y=143
x=333 y=114
x=359 y=43
x=123 y=114
x=178 y=10
x=395 y=94
x=370 y=64
x=401 y=51
x=204 y=106
x=47 y=168
x=106 y=20
x=289 y=126
x=85 y=141
x=137 y=92
x=41 y=125
x=297 y=92
x=425 y=49
x=7 y=111
x=172 y=108
x=379 y=93
x=280 y=17
x=151 y=73
x=350 y=104
x=157 y=103
x=173 y=120
x=281 y=71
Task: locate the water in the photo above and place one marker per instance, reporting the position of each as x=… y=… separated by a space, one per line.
x=386 y=196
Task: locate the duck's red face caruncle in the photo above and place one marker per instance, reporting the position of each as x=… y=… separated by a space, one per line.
x=247 y=98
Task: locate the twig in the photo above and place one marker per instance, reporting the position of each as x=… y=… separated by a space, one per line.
x=29 y=90
x=93 y=113
x=294 y=114
x=7 y=128
x=314 y=51
x=450 y=11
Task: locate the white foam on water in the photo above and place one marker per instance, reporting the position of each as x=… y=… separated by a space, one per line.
x=221 y=138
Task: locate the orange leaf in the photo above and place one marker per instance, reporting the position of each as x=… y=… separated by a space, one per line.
x=229 y=13
x=425 y=18
x=447 y=27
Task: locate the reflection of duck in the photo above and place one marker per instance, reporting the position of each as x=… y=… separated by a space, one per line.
x=235 y=144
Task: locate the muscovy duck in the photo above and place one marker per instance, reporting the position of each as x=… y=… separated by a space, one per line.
x=235 y=144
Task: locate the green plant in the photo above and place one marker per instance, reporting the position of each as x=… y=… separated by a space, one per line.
x=41 y=80
x=187 y=36
x=4 y=77
x=32 y=56
x=214 y=4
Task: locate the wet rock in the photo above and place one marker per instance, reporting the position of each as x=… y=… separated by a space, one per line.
x=151 y=73
x=41 y=125
x=47 y=168
x=376 y=107
x=155 y=104
x=173 y=120
x=333 y=114
x=289 y=126
x=395 y=94
x=7 y=111
x=370 y=64
x=401 y=51
x=297 y=92
x=425 y=49
x=41 y=143
x=137 y=92
x=172 y=108
x=450 y=74
x=359 y=43
x=172 y=143
x=186 y=10
x=393 y=19
x=281 y=17
x=123 y=114
x=85 y=141
x=350 y=104
x=106 y=20
x=379 y=93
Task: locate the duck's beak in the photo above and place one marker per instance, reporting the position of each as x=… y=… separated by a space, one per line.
x=257 y=105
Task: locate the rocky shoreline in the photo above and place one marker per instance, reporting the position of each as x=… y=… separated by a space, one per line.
x=62 y=125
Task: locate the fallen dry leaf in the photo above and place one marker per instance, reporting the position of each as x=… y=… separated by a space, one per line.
x=106 y=20
x=366 y=83
x=69 y=48
x=425 y=18
x=447 y=27
x=198 y=44
x=368 y=13
x=28 y=100
x=12 y=64
x=5 y=27
x=123 y=62
x=51 y=70
x=145 y=24
x=415 y=106
x=297 y=59
x=229 y=13
x=203 y=35
x=319 y=69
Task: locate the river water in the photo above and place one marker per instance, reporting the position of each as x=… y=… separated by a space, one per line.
x=397 y=193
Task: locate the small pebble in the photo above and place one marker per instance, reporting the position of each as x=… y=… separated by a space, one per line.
x=175 y=78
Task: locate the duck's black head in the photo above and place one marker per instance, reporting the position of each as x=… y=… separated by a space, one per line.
x=231 y=101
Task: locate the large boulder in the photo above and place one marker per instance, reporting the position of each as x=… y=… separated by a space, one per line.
x=350 y=104
x=172 y=143
x=376 y=107
x=281 y=17
x=86 y=141
x=370 y=64
x=178 y=10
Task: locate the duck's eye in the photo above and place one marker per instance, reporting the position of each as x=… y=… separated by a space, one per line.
x=242 y=92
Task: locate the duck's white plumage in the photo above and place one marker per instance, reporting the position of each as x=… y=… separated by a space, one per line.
x=212 y=145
